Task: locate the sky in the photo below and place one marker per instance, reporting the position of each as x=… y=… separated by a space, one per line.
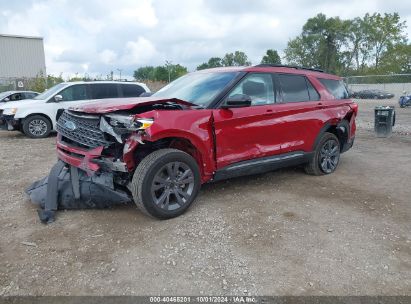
x=99 y=36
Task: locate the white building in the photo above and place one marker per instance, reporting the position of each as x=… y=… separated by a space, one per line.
x=21 y=56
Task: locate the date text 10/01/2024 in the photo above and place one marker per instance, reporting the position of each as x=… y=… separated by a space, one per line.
x=204 y=299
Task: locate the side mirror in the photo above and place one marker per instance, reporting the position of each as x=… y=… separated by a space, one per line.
x=58 y=98
x=6 y=99
x=146 y=94
x=237 y=101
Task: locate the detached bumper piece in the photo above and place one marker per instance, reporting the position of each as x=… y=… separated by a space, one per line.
x=67 y=187
x=7 y=122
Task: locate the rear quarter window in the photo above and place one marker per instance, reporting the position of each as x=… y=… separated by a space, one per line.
x=335 y=87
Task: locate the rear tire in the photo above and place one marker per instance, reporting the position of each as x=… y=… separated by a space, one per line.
x=165 y=183
x=36 y=126
x=326 y=156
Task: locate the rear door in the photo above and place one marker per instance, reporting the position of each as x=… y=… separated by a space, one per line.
x=301 y=111
x=248 y=132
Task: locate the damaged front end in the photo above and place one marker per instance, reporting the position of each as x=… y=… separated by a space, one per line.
x=96 y=161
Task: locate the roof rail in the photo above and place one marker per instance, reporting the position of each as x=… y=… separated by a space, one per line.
x=290 y=66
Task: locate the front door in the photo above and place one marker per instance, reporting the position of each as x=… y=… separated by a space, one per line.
x=248 y=132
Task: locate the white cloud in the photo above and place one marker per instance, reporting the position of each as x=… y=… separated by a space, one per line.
x=139 y=52
x=99 y=36
x=107 y=56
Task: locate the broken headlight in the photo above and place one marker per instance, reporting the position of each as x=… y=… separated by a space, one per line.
x=10 y=111
x=128 y=122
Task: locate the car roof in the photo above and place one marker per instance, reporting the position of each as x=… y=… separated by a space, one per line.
x=13 y=92
x=275 y=69
x=103 y=81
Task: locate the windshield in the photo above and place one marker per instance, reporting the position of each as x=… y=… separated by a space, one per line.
x=50 y=92
x=3 y=95
x=198 y=88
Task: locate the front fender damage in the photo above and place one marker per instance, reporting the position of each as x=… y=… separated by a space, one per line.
x=70 y=188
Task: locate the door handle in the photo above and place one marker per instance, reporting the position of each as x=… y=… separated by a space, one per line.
x=320 y=105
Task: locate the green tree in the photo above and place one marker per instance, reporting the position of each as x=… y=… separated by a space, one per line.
x=383 y=33
x=177 y=71
x=396 y=59
x=303 y=51
x=271 y=57
x=213 y=62
x=237 y=58
x=38 y=84
x=358 y=49
x=144 y=73
x=354 y=46
x=160 y=73
x=328 y=34
x=53 y=80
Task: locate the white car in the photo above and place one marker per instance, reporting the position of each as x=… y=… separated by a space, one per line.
x=16 y=95
x=37 y=117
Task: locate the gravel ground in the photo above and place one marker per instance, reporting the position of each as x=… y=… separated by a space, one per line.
x=280 y=233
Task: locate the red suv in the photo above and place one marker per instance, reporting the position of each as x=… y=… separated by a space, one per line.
x=206 y=126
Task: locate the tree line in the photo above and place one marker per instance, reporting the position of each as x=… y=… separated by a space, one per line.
x=372 y=44
x=171 y=72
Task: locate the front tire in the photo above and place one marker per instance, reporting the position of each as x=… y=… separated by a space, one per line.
x=165 y=183
x=36 y=126
x=326 y=156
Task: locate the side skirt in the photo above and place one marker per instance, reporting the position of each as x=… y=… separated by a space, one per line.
x=263 y=164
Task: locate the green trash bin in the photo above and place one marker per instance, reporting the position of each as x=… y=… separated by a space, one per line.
x=384 y=120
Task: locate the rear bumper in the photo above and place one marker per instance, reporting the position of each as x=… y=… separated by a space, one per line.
x=348 y=145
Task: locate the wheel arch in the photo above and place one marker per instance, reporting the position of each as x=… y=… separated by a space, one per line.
x=182 y=143
x=341 y=129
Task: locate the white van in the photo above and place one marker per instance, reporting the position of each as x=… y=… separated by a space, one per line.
x=37 y=117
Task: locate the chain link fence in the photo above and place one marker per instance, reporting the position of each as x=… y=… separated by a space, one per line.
x=379 y=86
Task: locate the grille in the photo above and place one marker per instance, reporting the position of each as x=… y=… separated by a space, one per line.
x=86 y=132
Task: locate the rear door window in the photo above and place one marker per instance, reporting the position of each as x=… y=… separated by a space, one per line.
x=131 y=90
x=30 y=95
x=335 y=87
x=104 y=90
x=294 y=88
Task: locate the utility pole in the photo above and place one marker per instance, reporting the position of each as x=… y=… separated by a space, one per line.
x=168 y=65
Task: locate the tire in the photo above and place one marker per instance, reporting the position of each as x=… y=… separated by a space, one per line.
x=36 y=126
x=157 y=185
x=328 y=150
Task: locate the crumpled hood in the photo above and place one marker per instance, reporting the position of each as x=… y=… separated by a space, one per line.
x=20 y=103
x=103 y=106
